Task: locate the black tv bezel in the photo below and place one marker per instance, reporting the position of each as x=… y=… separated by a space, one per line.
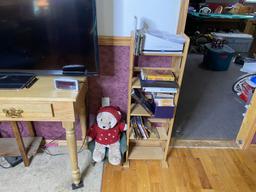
x=45 y=72
x=59 y=72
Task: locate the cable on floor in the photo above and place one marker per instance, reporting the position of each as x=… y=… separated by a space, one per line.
x=45 y=150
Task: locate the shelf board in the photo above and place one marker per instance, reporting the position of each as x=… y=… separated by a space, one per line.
x=173 y=69
x=158 y=120
x=147 y=153
x=9 y=146
x=138 y=110
x=162 y=133
x=163 y=54
x=136 y=83
x=146 y=142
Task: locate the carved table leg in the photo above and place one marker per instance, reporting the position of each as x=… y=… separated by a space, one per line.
x=72 y=147
x=20 y=143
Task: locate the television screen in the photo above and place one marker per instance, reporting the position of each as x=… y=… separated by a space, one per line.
x=43 y=36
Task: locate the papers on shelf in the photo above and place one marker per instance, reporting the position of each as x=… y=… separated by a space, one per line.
x=161 y=52
x=167 y=36
x=156 y=44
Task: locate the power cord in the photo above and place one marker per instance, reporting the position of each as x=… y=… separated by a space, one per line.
x=54 y=139
x=82 y=146
x=45 y=150
x=44 y=147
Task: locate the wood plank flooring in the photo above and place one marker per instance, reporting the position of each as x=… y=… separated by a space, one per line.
x=203 y=170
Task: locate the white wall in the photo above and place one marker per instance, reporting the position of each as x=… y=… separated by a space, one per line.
x=116 y=17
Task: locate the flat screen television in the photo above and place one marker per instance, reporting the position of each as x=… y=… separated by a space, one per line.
x=49 y=37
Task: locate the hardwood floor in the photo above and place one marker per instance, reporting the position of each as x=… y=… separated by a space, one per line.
x=204 y=170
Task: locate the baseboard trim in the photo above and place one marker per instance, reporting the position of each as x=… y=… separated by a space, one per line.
x=252 y=146
x=176 y=143
x=216 y=144
x=114 y=41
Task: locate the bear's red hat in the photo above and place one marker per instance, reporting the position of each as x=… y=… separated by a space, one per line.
x=115 y=111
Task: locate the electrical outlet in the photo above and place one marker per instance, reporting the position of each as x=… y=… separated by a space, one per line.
x=105 y=101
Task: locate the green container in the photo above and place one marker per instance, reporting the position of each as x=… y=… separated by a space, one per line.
x=218 y=59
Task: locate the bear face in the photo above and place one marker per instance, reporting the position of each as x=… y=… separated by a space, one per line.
x=106 y=120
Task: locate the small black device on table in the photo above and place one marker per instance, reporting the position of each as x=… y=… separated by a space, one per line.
x=11 y=80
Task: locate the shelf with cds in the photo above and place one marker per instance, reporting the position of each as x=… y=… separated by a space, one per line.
x=152 y=99
x=160 y=133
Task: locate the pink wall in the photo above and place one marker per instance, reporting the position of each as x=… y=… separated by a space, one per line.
x=112 y=82
x=113 y=79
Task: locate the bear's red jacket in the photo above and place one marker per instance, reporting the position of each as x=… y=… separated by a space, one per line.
x=106 y=137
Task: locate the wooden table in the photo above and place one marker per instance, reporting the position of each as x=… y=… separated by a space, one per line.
x=215 y=22
x=42 y=102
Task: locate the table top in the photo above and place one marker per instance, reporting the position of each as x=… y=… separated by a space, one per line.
x=220 y=16
x=42 y=90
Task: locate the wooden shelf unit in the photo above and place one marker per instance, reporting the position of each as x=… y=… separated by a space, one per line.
x=152 y=148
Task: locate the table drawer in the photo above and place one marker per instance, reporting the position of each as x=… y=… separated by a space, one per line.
x=25 y=110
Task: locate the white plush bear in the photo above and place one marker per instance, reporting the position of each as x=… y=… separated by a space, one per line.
x=106 y=133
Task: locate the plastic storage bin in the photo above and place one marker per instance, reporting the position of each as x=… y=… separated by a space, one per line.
x=218 y=59
x=240 y=42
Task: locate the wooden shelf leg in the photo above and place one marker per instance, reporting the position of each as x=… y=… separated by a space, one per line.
x=72 y=147
x=20 y=143
x=126 y=164
x=164 y=164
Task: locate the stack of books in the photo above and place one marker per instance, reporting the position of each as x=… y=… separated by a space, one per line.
x=164 y=105
x=161 y=75
x=157 y=94
x=143 y=129
x=164 y=99
x=162 y=81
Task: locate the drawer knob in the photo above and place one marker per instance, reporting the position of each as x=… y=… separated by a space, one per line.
x=13 y=113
